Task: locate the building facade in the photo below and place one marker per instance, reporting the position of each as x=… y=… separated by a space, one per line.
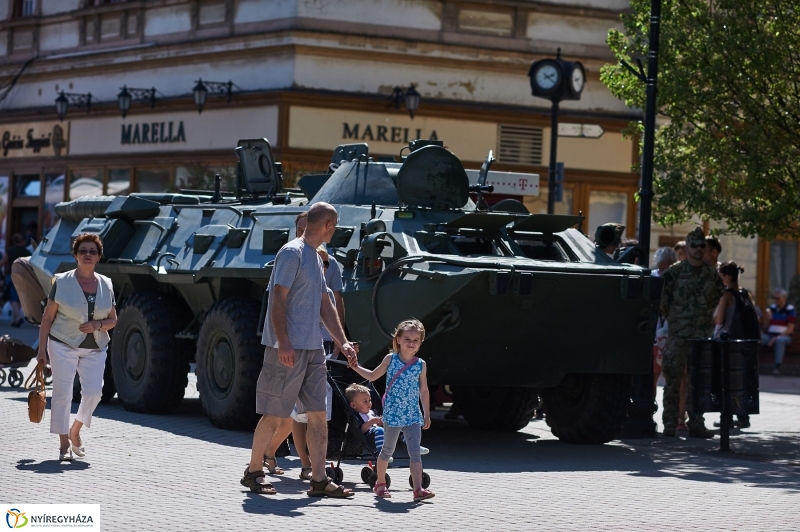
x=307 y=75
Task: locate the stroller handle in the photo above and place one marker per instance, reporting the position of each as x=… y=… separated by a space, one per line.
x=332 y=361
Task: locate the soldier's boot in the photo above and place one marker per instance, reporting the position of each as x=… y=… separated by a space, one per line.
x=700 y=432
x=669 y=431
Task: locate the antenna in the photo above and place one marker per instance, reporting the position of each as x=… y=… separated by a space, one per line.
x=481 y=203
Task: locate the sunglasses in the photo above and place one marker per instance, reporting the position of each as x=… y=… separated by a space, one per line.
x=701 y=246
x=87 y=252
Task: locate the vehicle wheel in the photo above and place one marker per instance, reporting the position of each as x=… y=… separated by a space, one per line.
x=373 y=479
x=229 y=359
x=365 y=474
x=426 y=480
x=587 y=408
x=15 y=378
x=479 y=406
x=149 y=365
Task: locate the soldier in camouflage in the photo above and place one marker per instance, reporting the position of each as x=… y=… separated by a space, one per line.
x=692 y=290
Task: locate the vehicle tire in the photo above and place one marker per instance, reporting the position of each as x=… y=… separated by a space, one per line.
x=587 y=409
x=479 y=405
x=150 y=366
x=229 y=359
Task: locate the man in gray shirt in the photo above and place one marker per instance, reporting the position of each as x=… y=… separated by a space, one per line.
x=294 y=361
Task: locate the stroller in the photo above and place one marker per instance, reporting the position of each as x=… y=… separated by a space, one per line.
x=345 y=439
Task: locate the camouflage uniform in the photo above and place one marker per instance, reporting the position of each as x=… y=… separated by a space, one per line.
x=688 y=301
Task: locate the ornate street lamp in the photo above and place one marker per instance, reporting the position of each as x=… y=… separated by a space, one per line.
x=410 y=97
x=203 y=88
x=65 y=99
x=128 y=95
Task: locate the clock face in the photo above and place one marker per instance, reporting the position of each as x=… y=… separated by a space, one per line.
x=577 y=79
x=547 y=76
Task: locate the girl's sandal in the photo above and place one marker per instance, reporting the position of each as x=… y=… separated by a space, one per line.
x=305 y=473
x=422 y=494
x=250 y=480
x=273 y=469
x=382 y=491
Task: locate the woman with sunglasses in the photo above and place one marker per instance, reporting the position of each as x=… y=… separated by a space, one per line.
x=74 y=337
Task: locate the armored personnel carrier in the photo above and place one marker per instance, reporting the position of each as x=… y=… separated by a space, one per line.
x=516 y=305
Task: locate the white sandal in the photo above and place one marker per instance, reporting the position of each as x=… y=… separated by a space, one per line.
x=79 y=451
x=65 y=455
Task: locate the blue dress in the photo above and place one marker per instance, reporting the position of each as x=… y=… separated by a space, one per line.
x=401 y=406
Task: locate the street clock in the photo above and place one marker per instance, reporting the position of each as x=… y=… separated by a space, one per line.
x=556 y=79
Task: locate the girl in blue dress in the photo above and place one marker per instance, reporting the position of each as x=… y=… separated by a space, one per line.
x=406 y=386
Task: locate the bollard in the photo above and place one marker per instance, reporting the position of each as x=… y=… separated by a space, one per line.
x=723 y=377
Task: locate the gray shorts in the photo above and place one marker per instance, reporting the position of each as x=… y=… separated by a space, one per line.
x=279 y=386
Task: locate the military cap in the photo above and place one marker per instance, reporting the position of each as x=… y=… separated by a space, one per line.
x=696 y=236
x=609 y=234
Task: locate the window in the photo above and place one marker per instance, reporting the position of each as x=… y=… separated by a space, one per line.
x=85 y=183
x=153 y=181
x=519 y=144
x=607 y=207
x=24 y=8
x=53 y=195
x=782 y=264
x=538 y=204
x=27 y=186
x=119 y=181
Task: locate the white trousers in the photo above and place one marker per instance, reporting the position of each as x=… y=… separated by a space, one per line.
x=65 y=360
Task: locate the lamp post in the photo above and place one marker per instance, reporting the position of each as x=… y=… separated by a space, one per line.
x=203 y=88
x=128 y=95
x=408 y=97
x=640 y=422
x=556 y=80
x=65 y=99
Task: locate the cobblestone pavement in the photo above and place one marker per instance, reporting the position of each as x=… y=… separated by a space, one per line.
x=180 y=473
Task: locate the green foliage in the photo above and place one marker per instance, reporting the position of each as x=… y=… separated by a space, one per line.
x=729 y=83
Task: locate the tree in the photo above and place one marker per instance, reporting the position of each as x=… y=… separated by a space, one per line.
x=729 y=85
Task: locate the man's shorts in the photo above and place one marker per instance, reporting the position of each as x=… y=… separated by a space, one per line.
x=279 y=387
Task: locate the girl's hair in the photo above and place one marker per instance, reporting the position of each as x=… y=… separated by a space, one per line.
x=87 y=237
x=408 y=325
x=732 y=269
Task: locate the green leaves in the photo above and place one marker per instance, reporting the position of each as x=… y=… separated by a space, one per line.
x=729 y=83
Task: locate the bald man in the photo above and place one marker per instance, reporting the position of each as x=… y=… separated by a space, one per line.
x=294 y=360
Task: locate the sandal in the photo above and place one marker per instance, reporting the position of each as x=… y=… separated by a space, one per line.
x=273 y=469
x=305 y=473
x=318 y=490
x=423 y=494
x=382 y=491
x=250 y=480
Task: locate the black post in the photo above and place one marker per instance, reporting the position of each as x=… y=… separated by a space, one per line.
x=551 y=179
x=640 y=422
x=724 y=415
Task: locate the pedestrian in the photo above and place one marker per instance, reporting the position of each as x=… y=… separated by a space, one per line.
x=74 y=337
x=735 y=315
x=778 y=324
x=712 y=252
x=294 y=361
x=16 y=251
x=680 y=250
x=607 y=238
x=692 y=290
x=663 y=259
x=407 y=385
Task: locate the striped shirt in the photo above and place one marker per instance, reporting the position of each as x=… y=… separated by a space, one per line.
x=781 y=318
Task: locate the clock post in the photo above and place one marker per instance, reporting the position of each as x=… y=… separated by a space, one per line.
x=555 y=80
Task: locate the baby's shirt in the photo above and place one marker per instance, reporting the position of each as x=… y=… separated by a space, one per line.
x=369 y=415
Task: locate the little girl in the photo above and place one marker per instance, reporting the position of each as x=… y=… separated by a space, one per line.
x=406 y=384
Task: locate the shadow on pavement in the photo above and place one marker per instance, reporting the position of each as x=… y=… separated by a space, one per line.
x=52 y=466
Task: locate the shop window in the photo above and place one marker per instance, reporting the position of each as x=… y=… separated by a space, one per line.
x=53 y=195
x=782 y=264
x=4 y=211
x=538 y=204
x=607 y=207
x=119 y=181
x=28 y=186
x=153 y=181
x=202 y=177
x=85 y=183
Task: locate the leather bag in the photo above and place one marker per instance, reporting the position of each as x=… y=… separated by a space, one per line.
x=37 y=397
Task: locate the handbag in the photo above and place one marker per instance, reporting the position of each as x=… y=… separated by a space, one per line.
x=37 y=398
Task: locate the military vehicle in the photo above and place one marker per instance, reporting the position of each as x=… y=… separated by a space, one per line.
x=516 y=305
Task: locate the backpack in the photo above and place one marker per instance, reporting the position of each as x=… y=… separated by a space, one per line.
x=744 y=325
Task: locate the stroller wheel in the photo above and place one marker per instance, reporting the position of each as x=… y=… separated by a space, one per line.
x=2 y=376
x=426 y=480
x=48 y=375
x=373 y=479
x=365 y=474
x=15 y=378
x=335 y=473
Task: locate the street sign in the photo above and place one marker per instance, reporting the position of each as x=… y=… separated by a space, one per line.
x=513 y=183
x=589 y=131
